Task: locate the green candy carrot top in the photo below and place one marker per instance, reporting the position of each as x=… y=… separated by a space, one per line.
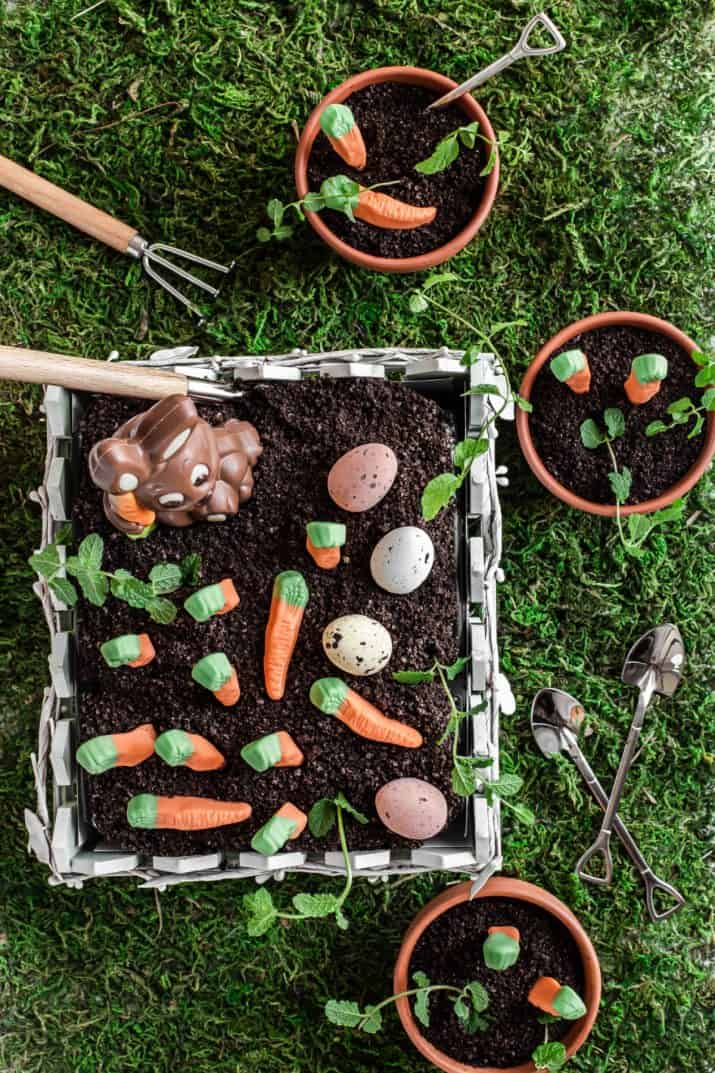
x=338 y=124
x=272 y=750
x=178 y=748
x=117 y=750
x=288 y=603
x=332 y=696
x=128 y=650
x=324 y=541
x=643 y=383
x=571 y=368
x=214 y=672
x=212 y=600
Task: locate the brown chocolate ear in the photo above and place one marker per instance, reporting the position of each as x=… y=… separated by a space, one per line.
x=118 y=466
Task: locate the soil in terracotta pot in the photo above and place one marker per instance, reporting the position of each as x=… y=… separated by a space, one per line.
x=656 y=463
x=398 y=134
x=304 y=428
x=450 y=952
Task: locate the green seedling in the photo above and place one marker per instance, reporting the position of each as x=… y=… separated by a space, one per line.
x=96 y=584
x=324 y=815
x=684 y=410
x=639 y=525
x=465 y=778
x=442 y=489
x=447 y=150
x=469 y=1001
x=338 y=192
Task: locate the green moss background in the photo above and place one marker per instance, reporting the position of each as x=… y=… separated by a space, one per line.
x=181 y=118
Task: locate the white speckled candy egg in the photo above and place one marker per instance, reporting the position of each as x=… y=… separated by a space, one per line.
x=362 y=477
x=412 y=808
x=402 y=560
x=357 y=644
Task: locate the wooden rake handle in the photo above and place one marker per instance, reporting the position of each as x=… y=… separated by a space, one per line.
x=67 y=207
x=85 y=374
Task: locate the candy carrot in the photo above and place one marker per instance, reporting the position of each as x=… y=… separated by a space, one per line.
x=214 y=672
x=128 y=508
x=501 y=948
x=287 y=824
x=559 y=1000
x=184 y=813
x=571 y=368
x=117 y=750
x=179 y=748
x=340 y=128
x=212 y=600
x=128 y=650
x=333 y=697
x=273 y=750
x=381 y=210
x=324 y=542
x=290 y=596
x=647 y=371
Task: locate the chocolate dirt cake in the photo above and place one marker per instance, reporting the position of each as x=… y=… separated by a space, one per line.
x=196 y=696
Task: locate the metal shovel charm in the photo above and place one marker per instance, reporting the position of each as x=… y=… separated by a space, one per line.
x=521 y=50
x=556 y=720
x=654 y=665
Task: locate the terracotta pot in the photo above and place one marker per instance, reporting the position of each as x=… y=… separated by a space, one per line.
x=606 y=320
x=416 y=76
x=500 y=887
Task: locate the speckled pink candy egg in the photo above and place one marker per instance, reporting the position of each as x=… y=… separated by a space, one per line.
x=411 y=808
x=362 y=477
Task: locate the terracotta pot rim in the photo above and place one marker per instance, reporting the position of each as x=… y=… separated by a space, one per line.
x=418 y=76
x=604 y=320
x=496 y=887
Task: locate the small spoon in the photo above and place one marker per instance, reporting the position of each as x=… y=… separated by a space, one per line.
x=654 y=665
x=520 y=51
x=556 y=721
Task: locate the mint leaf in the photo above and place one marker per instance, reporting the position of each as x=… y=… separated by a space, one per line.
x=313 y=202
x=706 y=376
x=340 y=193
x=321 y=817
x=263 y=234
x=315 y=905
x=457 y=667
x=438 y=493
x=549 y=1057
x=615 y=422
x=64 y=590
x=438 y=278
x=591 y=435
x=491 y=161
x=523 y=404
x=484 y=389
x=94 y=586
x=372 y=1022
x=413 y=678
x=680 y=406
x=621 y=484
x=343 y=1013
x=263 y=911
x=275 y=210
x=91 y=552
x=190 y=567
x=709 y=399
x=165 y=577
x=420 y=1004
x=468 y=135
x=136 y=593
x=478 y=995
x=46 y=562
x=655 y=427
x=417 y=303
x=467 y=450
x=508 y=784
x=445 y=153
x=523 y=813
x=464 y=781
x=161 y=610
x=342 y=802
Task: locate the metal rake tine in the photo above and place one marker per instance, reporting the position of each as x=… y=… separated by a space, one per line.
x=150 y=255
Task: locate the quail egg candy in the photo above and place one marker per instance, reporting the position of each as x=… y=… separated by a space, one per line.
x=362 y=477
x=412 y=808
x=402 y=560
x=357 y=644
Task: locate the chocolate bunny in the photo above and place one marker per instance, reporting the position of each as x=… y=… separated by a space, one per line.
x=170 y=465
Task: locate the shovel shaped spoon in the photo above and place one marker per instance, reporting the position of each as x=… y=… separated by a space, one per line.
x=653 y=665
x=556 y=720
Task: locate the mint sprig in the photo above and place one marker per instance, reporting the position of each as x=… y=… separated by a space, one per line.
x=447 y=150
x=96 y=584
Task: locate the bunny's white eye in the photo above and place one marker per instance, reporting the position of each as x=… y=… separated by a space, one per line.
x=176 y=443
x=171 y=499
x=199 y=474
x=128 y=482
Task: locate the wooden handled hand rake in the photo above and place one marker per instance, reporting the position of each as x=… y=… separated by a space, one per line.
x=114 y=233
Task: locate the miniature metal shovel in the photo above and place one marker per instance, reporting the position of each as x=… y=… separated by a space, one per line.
x=520 y=51
x=556 y=720
x=654 y=665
